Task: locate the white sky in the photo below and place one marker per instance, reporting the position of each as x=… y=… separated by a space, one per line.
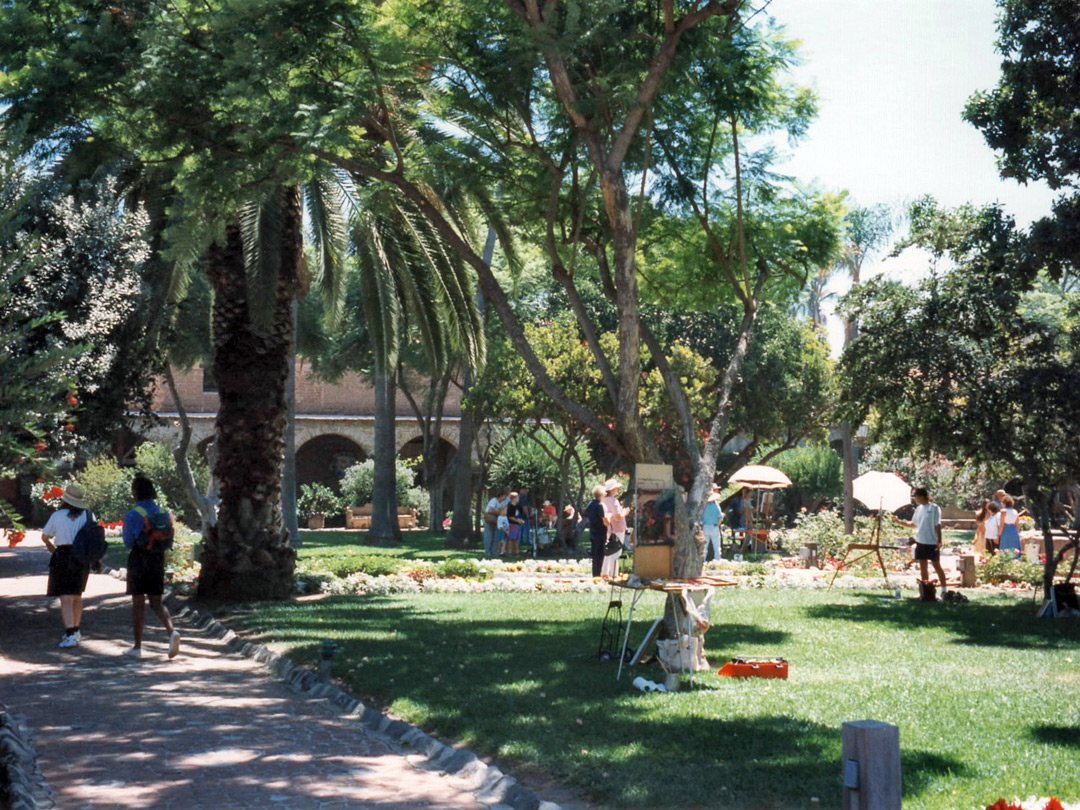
x=893 y=77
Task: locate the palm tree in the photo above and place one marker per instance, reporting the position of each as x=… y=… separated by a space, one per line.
x=410 y=283
x=867 y=230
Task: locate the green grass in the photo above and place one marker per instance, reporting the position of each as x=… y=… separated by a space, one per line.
x=414 y=546
x=984 y=695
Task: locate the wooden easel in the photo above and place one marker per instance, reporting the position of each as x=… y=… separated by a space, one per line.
x=873 y=547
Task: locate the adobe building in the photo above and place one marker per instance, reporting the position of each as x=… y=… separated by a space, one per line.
x=335 y=426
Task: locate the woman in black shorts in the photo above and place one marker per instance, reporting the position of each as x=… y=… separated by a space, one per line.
x=67 y=576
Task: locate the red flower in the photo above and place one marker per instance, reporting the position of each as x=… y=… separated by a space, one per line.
x=52 y=493
x=40 y=445
x=1053 y=804
x=70 y=426
x=14 y=538
x=73 y=400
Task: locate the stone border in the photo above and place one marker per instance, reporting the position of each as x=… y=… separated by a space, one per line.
x=490 y=785
x=26 y=786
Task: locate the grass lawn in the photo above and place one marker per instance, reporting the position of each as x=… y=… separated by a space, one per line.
x=416 y=545
x=984 y=694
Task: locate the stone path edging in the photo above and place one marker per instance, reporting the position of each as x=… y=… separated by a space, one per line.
x=491 y=786
x=27 y=789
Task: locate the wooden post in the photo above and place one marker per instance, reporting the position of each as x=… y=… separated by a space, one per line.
x=870 y=758
x=967 y=571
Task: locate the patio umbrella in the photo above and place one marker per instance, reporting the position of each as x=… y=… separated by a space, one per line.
x=759 y=476
x=882 y=490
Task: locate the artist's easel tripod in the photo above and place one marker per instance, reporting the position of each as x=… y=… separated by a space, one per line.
x=873 y=547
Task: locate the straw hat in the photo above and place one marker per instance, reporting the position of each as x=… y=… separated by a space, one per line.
x=74 y=496
x=612 y=483
x=714 y=495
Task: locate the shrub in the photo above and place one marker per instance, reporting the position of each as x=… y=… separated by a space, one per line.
x=826 y=528
x=357 y=484
x=466 y=569
x=341 y=565
x=108 y=488
x=1004 y=568
x=816 y=476
x=317 y=499
x=156 y=462
x=525 y=459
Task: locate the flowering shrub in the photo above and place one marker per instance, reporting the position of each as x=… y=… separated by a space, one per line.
x=950 y=483
x=1001 y=568
x=1001 y=804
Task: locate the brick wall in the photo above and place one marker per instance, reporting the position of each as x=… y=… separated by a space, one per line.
x=352 y=396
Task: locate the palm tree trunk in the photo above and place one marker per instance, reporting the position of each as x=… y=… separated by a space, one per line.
x=384 y=524
x=288 y=480
x=247 y=555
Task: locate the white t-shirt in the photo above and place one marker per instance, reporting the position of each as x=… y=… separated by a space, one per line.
x=926 y=518
x=992 y=526
x=1011 y=516
x=62 y=529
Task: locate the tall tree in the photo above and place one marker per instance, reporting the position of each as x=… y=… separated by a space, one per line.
x=867 y=231
x=975 y=362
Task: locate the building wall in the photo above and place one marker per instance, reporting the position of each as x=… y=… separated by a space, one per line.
x=352 y=396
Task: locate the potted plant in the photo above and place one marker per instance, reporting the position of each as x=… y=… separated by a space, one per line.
x=315 y=502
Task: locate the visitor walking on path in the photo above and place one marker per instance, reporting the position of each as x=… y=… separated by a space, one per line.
x=67 y=575
x=146 y=566
x=928 y=538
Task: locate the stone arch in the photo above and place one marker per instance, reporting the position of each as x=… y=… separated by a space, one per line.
x=322 y=459
x=414 y=448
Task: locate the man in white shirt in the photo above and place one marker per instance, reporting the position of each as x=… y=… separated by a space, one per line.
x=927 y=524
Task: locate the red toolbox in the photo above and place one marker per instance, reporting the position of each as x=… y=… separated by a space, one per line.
x=755 y=668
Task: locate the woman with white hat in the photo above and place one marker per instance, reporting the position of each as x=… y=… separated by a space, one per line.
x=67 y=576
x=615 y=520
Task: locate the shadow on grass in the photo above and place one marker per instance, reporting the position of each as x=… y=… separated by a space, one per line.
x=980 y=623
x=1065 y=736
x=532 y=691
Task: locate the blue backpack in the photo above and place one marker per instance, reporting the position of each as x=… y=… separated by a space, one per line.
x=157 y=532
x=89 y=545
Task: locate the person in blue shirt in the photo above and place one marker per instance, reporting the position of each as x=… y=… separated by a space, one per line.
x=710 y=525
x=145 y=569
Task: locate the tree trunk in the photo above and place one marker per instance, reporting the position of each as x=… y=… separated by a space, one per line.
x=384 y=523
x=288 y=481
x=462 y=526
x=247 y=555
x=206 y=505
x=848 y=448
x=461 y=522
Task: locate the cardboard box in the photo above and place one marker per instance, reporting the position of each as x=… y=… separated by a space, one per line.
x=654 y=561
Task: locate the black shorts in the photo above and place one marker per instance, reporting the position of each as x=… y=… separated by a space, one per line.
x=925 y=551
x=145 y=573
x=67 y=577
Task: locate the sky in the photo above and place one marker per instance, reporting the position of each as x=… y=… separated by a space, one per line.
x=893 y=77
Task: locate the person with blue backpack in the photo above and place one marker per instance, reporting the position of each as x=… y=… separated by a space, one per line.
x=148 y=533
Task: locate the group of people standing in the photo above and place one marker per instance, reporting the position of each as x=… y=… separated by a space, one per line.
x=606 y=518
x=996 y=525
x=68 y=575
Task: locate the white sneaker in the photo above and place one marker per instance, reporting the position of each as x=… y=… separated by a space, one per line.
x=69 y=641
x=134 y=652
x=78 y=636
x=174 y=644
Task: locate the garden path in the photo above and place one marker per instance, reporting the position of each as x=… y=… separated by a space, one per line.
x=206 y=729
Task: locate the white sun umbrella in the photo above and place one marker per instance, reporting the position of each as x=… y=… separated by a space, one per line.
x=882 y=490
x=760 y=476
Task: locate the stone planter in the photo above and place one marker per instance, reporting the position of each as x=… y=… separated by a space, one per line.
x=316 y=521
x=360 y=517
